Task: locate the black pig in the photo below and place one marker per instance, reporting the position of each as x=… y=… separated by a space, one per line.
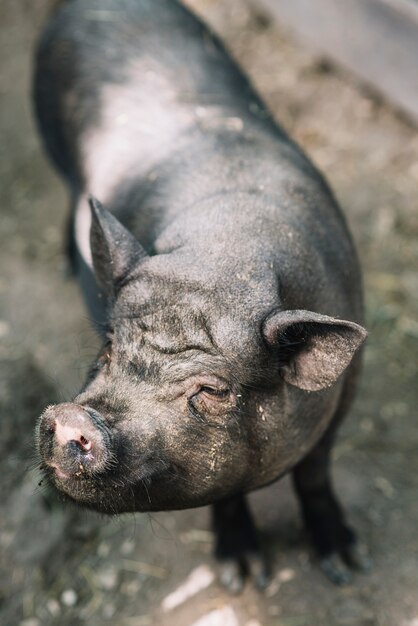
x=228 y=290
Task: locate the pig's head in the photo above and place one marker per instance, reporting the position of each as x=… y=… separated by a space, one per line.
x=174 y=412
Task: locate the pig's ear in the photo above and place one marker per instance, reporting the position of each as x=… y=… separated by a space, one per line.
x=114 y=250
x=313 y=349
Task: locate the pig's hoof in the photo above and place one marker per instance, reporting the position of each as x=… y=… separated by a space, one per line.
x=259 y=571
x=233 y=572
x=232 y=576
x=357 y=557
x=353 y=556
x=335 y=570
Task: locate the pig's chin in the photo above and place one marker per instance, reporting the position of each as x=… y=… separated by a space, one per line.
x=110 y=496
x=104 y=495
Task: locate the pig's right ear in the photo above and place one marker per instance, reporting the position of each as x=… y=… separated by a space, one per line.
x=313 y=349
x=114 y=250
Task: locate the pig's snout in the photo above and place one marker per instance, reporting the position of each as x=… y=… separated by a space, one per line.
x=73 y=441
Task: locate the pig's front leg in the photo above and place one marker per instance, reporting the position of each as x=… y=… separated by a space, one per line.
x=237 y=547
x=334 y=541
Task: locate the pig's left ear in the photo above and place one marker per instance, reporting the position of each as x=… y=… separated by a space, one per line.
x=113 y=248
x=313 y=349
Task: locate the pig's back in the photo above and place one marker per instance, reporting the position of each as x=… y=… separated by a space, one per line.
x=131 y=79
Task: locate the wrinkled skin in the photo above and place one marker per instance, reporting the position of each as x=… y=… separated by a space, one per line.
x=223 y=281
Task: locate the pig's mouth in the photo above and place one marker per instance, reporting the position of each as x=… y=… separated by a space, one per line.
x=54 y=472
x=57 y=471
x=114 y=491
x=57 y=475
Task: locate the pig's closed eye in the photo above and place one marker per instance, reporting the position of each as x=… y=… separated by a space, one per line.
x=210 y=401
x=214 y=392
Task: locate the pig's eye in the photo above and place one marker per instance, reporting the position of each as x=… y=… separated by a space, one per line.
x=214 y=392
x=210 y=401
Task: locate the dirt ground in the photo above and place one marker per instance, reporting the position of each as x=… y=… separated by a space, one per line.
x=60 y=566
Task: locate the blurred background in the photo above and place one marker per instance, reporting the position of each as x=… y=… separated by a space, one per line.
x=62 y=566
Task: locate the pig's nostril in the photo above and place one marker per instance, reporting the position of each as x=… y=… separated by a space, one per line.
x=85 y=444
